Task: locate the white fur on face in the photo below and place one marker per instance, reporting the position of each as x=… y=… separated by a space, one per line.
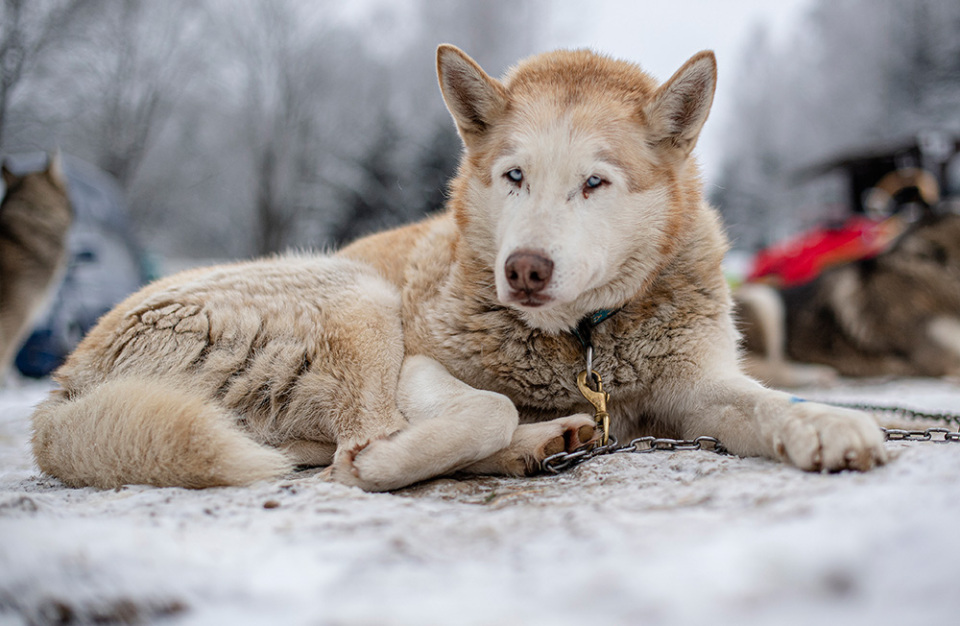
x=586 y=233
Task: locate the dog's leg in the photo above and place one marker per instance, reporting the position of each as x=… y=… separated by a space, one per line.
x=944 y=332
x=451 y=425
x=751 y=420
x=310 y=453
x=763 y=318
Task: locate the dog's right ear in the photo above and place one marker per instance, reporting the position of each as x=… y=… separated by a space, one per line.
x=681 y=105
x=474 y=99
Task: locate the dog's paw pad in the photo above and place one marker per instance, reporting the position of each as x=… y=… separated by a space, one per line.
x=864 y=459
x=579 y=436
x=573 y=434
x=578 y=430
x=587 y=433
x=554 y=446
x=780 y=449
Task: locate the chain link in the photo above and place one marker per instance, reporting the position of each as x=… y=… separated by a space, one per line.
x=937 y=434
x=930 y=434
x=901 y=412
x=564 y=461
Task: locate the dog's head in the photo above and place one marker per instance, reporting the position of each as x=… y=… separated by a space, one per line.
x=45 y=189
x=928 y=256
x=577 y=177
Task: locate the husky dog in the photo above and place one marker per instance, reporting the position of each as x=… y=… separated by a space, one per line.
x=578 y=195
x=35 y=217
x=417 y=351
x=895 y=314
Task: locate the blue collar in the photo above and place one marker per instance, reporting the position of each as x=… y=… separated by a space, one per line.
x=584 y=328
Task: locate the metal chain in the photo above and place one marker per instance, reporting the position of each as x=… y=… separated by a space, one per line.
x=564 y=461
x=936 y=434
x=900 y=411
x=928 y=434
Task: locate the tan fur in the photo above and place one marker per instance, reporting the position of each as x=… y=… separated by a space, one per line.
x=195 y=444
x=232 y=374
x=423 y=359
x=669 y=356
x=35 y=217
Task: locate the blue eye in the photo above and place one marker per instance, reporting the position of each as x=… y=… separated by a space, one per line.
x=594 y=181
x=516 y=175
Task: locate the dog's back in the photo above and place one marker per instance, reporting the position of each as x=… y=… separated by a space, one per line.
x=35 y=218
x=197 y=379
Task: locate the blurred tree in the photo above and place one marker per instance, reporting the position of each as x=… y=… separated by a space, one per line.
x=405 y=170
x=310 y=99
x=858 y=74
x=368 y=207
x=26 y=29
x=147 y=55
x=276 y=88
x=242 y=127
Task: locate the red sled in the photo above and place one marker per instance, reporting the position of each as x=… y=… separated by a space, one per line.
x=800 y=259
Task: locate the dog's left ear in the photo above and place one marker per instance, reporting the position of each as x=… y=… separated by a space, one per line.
x=681 y=105
x=475 y=100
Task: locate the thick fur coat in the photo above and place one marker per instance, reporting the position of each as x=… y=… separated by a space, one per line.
x=577 y=193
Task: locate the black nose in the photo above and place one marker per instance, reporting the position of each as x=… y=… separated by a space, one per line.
x=528 y=271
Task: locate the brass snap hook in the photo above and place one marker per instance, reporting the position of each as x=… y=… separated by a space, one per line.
x=598 y=399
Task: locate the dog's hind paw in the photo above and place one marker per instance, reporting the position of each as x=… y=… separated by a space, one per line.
x=350 y=457
x=344 y=469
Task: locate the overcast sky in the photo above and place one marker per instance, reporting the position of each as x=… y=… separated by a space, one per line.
x=662 y=35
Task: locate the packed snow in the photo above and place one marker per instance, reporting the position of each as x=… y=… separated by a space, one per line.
x=658 y=538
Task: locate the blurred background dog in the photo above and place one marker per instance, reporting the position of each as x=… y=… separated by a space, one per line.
x=35 y=217
x=891 y=306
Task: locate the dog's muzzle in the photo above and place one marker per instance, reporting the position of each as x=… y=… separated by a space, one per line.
x=528 y=274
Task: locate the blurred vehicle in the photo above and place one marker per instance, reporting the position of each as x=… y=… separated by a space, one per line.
x=878 y=293
x=888 y=188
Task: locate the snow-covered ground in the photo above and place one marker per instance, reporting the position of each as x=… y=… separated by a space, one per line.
x=661 y=538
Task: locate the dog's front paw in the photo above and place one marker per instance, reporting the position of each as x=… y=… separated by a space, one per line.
x=818 y=437
x=532 y=443
x=566 y=434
